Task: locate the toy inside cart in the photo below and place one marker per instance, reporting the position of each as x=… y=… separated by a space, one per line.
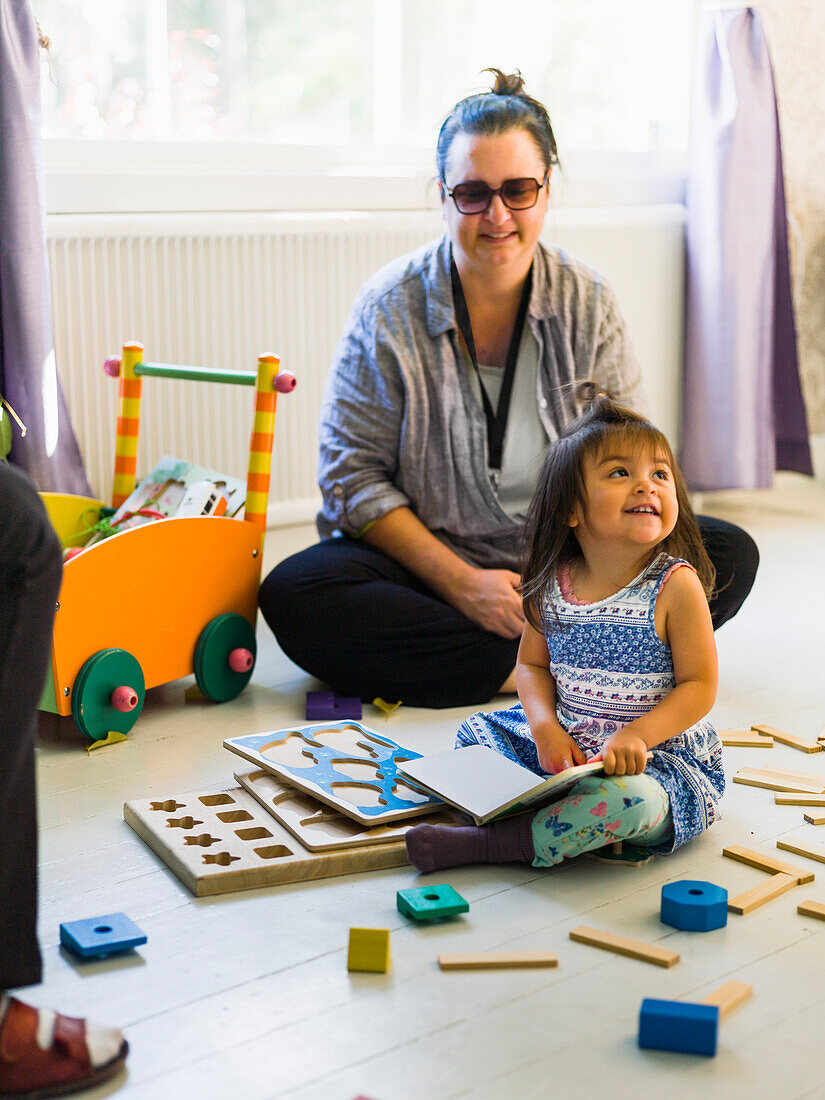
x=153 y=603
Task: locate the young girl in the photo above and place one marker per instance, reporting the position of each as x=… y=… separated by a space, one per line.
x=617 y=657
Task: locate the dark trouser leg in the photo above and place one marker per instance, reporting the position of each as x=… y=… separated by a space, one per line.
x=30 y=566
x=366 y=626
x=736 y=558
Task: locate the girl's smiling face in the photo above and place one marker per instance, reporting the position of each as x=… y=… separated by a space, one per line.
x=629 y=498
x=498 y=236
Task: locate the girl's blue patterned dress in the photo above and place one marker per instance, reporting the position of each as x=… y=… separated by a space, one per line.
x=611 y=667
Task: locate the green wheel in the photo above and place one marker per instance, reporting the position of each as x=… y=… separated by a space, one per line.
x=225 y=657
x=108 y=694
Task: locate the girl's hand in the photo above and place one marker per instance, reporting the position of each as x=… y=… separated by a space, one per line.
x=558 y=752
x=624 y=754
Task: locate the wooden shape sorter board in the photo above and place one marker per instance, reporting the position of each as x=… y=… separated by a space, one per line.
x=320 y=828
x=218 y=841
x=345 y=764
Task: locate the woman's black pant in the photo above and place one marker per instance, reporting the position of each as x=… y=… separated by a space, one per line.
x=360 y=622
x=30 y=567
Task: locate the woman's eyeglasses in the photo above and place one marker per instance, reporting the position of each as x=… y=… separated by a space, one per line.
x=475 y=196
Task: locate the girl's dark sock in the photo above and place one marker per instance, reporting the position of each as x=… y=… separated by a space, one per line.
x=434 y=847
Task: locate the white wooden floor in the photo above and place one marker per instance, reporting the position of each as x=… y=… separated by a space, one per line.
x=248 y=995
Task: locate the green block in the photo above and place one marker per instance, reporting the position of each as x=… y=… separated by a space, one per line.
x=431 y=903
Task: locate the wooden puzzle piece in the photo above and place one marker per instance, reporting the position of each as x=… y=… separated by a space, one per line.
x=766 y=863
x=320 y=827
x=378 y=800
x=814 y=819
x=803 y=848
x=758 y=895
x=760 y=777
x=811 y=909
x=799 y=800
x=634 y=949
x=745 y=739
x=790 y=739
x=369 y=949
x=247 y=847
x=498 y=960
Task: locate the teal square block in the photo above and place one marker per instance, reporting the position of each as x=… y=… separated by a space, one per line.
x=431 y=903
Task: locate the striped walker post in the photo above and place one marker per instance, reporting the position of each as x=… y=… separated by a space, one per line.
x=260 y=446
x=128 y=424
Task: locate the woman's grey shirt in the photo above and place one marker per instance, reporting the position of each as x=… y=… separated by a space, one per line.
x=400 y=424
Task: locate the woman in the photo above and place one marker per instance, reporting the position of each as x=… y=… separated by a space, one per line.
x=458 y=364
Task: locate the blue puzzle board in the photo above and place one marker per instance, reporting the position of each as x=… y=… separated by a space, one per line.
x=382 y=796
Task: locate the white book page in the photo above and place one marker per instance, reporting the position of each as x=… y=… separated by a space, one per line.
x=478 y=779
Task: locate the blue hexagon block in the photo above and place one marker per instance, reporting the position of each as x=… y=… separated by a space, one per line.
x=694 y=906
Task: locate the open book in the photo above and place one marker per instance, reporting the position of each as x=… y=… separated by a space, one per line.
x=487 y=785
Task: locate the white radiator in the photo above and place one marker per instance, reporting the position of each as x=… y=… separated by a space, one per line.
x=216 y=290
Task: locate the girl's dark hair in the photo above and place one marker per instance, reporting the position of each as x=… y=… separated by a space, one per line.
x=549 y=540
x=506 y=106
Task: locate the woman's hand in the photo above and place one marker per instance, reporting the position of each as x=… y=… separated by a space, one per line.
x=490 y=599
x=624 y=754
x=557 y=751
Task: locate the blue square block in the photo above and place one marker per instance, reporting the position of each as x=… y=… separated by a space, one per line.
x=100 y=936
x=431 y=903
x=678 y=1026
x=326 y=706
x=694 y=906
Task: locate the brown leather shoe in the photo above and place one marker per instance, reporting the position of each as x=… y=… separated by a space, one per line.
x=26 y=1070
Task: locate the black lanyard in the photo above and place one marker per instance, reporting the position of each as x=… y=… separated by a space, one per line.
x=496 y=421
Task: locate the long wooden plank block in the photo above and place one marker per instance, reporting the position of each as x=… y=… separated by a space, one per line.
x=728 y=996
x=811 y=909
x=815 y=819
x=753 y=777
x=803 y=848
x=745 y=739
x=766 y=863
x=634 y=949
x=766 y=891
x=799 y=799
x=498 y=960
x=784 y=773
x=790 y=739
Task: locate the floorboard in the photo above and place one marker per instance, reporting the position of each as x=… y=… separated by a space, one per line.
x=248 y=994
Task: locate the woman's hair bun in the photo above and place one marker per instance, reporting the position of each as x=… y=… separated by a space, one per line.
x=506 y=83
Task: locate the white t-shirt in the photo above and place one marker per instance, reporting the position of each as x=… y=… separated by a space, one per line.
x=525 y=440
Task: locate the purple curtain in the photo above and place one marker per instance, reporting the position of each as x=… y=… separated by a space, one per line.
x=743 y=411
x=28 y=375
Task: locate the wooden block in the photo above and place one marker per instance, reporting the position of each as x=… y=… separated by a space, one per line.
x=745 y=739
x=498 y=960
x=766 y=891
x=803 y=848
x=369 y=949
x=755 y=777
x=811 y=909
x=790 y=739
x=766 y=863
x=728 y=996
x=815 y=819
x=799 y=799
x=801 y=777
x=222 y=840
x=634 y=949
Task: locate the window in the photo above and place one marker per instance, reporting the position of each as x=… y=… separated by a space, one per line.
x=312 y=84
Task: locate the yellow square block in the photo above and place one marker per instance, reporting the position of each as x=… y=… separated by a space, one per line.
x=369 y=949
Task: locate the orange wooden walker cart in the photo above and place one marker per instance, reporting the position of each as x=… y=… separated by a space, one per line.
x=154 y=603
